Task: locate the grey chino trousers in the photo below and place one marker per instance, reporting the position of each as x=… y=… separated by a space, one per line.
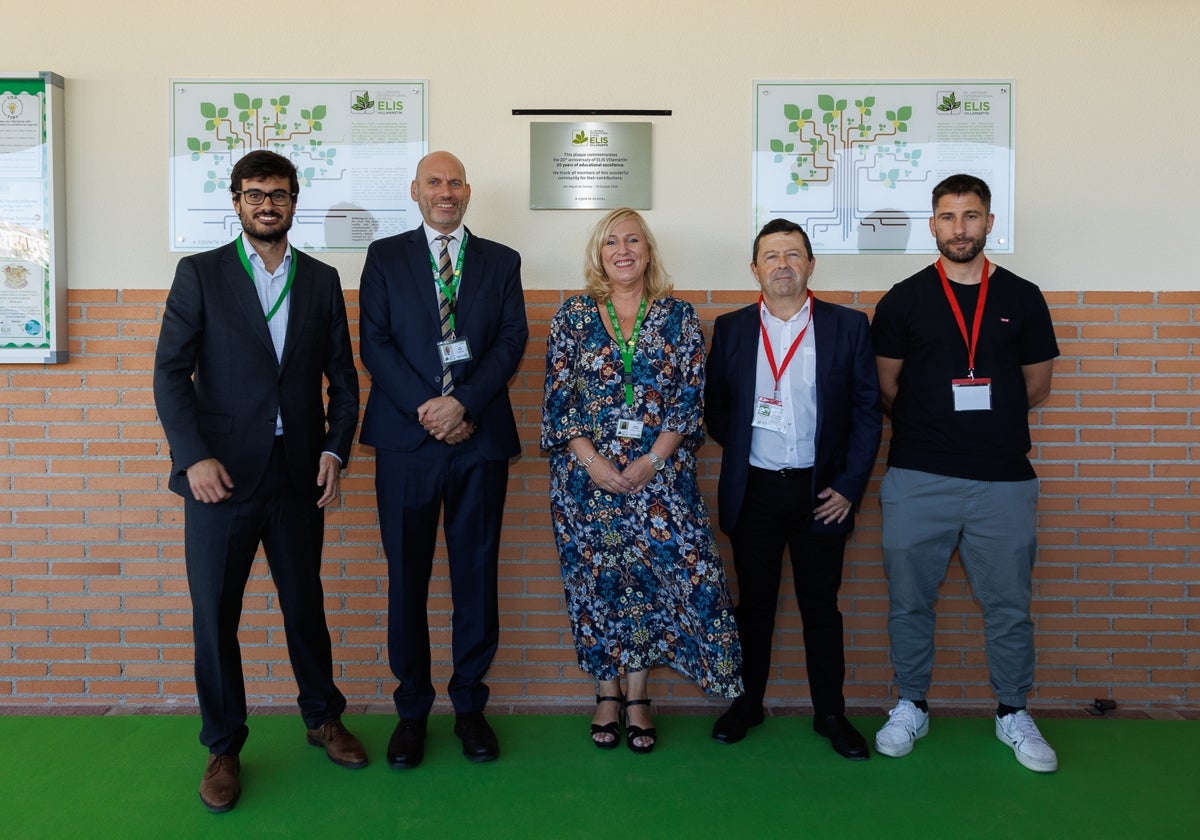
x=993 y=524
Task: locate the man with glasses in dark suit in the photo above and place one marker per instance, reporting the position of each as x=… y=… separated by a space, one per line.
x=249 y=332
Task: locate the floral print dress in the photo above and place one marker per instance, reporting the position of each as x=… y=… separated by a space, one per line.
x=643 y=580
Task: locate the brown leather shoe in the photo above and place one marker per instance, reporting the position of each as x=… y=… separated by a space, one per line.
x=341 y=747
x=220 y=788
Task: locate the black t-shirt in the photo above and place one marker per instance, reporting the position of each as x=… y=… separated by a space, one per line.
x=914 y=322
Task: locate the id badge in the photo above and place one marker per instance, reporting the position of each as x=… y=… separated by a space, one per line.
x=768 y=414
x=972 y=394
x=631 y=429
x=454 y=351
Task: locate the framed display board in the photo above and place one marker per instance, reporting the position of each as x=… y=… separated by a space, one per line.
x=854 y=163
x=33 y=247
x=355 y=144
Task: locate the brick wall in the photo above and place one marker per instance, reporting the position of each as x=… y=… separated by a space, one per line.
x=94 y=606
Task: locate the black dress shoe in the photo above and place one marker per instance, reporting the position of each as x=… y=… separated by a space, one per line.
x=477 y=736
x=846 y=740
x=731 y=727
x=407 y=745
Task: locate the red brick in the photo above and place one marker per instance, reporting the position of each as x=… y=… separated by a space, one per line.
x=1115 y=446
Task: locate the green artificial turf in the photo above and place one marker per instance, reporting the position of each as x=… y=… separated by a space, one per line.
x=137 y=776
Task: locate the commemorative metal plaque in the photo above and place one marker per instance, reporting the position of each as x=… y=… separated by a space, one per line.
x=588 y=166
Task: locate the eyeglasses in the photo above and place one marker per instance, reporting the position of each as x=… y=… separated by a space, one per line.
x=278 y=198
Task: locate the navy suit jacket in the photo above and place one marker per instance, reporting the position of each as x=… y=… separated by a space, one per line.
x=400 y=330
x=218 y=384
x=849 y=417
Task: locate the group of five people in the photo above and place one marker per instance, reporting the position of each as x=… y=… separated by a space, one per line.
x=256 y=388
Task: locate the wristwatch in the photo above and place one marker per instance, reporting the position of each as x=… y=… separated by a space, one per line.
x=659 y=463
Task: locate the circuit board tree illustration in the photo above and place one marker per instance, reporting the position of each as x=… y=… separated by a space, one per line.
x=835 y=145
x=231 y=130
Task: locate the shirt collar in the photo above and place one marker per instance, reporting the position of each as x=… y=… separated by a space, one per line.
x=257 y=261
x=801 y=315
x=431 y=235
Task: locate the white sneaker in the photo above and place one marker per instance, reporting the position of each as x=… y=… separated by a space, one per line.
x=906 y=723
x=1020 y=732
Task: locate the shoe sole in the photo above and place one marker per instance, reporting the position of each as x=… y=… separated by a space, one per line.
x=725 y=738
x=903 y=750
x=1028 y=762
x=221 y=809
x=477 y=758
x=1033 y=764
x=353 y=765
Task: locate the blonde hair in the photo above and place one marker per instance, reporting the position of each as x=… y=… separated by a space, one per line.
x=658 y=282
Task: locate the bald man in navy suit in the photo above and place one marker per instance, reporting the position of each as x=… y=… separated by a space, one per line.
x=443 y=330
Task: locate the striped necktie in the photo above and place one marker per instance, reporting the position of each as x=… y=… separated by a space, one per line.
x=446 y=271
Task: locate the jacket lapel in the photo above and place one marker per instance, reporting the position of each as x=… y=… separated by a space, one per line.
x=744 y=360
x=241 y=290
x=299 y=304
x=420 y=268
x=825 y=339
x=468 y=290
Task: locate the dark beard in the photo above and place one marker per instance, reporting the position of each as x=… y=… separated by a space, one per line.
x=963 y=256
x=264 y=234
x=270 y=236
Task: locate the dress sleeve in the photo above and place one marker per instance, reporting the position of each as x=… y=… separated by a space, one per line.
x=683 y=394
x=561 y=419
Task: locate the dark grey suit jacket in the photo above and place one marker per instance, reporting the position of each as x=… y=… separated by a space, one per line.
x=218 y=384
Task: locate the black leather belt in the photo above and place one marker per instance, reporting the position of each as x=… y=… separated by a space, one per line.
x=790 y=473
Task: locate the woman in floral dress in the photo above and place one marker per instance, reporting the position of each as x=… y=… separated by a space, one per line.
x=621 y=422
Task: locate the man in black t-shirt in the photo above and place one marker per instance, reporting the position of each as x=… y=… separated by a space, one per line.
x=964 y=350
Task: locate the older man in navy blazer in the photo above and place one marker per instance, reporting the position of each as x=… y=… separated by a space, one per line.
x=792 y=396
x=442 y=331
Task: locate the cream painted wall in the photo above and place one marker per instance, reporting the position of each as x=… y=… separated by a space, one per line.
x=1106 y=164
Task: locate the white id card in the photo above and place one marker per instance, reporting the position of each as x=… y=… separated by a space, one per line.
x=631 y=429
x=972 y=394
x=768 y=414
x=455 y=351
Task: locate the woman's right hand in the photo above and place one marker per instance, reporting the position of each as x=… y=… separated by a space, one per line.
x=605 y=475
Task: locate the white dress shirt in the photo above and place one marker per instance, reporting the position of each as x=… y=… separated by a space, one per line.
x=795 y=446
x=269 y=286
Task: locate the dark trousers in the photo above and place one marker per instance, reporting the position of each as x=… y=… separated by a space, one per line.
x=220 y=541
x=469 y=490
x=777 y=513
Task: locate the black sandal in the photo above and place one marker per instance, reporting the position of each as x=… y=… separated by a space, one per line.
x=633 y=731
x=612 y=728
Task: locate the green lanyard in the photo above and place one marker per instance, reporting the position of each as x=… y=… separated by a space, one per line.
x=287 y=287
x=451 y=290
x=627 y=346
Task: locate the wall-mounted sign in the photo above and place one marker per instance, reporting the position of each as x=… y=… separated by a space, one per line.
x=591 y=165
x=855 y=163
x=355 y=145
x=33 y=252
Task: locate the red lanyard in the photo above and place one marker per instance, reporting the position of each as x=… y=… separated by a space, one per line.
x=971 y=341
x=777 y=372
